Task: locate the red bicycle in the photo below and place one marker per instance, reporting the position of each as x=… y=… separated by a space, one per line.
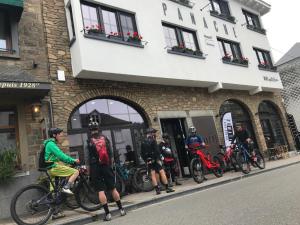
x=228 y=158
x=203 y=161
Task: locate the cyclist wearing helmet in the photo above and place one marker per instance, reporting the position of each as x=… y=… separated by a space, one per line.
x=54 y=154
x=102 y=175
x=151 y=155
x=169 y=159
x=193 y=140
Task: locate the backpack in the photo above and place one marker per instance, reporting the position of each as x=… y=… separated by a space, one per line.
x=100 y=144
x=42 y=162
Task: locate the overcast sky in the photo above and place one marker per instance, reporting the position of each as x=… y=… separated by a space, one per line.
x=283 y=25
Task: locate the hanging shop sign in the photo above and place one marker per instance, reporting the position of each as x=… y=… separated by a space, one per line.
x=24 y=85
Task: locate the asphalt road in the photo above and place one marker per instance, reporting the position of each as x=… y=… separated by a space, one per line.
x=271 y=198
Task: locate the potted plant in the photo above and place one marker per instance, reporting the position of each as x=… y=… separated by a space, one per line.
x=115 y=35
x=226 y=58
x=263 y=64
x=94 y=30
x=178 y=48
x=135 y=37
x=189 y=51
x=244 y=61
x=235 y=60
x=198 y=52
x=7 y=164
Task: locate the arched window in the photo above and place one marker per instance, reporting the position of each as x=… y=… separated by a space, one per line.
x=120 y=122
x=239 y=114
x=271 y=124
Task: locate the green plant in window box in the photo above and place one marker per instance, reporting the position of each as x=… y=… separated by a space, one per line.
x=226 y=58
x=179 y=48
x=235 y=60
x=198 y=52
x=7 y=164
x=244 y=61
x=135 y=37
x=95 y=30
x=115 y=35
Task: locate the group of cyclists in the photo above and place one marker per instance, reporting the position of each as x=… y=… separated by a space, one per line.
x=159 y=158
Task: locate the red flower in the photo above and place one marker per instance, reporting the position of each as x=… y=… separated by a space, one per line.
x=128 y=33
x=135 y=34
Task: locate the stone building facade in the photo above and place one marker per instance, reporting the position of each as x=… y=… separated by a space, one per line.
x=24 y=85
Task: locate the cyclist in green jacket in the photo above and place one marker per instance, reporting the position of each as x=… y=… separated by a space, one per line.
x=54 y=154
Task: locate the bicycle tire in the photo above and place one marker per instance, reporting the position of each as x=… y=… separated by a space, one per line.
x=86 y=197
x=71 y=202
x=218 y=172
x=224 y=165
x=196 y=167
x=242 y=162
x=234 y=163
x=260 y=162
x=39 y=189
x=141 y=180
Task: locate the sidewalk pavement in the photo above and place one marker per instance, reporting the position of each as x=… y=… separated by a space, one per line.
x=137 y=200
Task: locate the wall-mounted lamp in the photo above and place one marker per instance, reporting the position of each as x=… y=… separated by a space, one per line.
x=36 y=109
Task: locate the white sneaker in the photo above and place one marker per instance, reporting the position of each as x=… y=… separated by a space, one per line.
x=67 y=191
x=122 y=212
x=107 y=217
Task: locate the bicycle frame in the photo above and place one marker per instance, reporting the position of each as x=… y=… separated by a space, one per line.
x=206 y=159
x=245 y=152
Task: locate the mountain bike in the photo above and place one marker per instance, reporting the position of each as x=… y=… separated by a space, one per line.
x=34 y=204
x=142 y=179
x=228 y=158
x=203 y=161
x=244 y=158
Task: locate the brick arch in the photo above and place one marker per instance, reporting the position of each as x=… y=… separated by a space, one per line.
x=72 y=104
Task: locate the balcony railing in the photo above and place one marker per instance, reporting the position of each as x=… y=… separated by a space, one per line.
x=256 y=29
x=226 y=17
x=186 y=3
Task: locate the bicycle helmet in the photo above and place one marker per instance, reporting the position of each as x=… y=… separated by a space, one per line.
x=54 y=131
x=93 y=125
x=192 y=130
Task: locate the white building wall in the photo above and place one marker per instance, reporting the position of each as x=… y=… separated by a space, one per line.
x=98 y=59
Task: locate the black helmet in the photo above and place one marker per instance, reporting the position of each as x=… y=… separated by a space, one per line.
x=165 y=136
x=55 y=131
x=93 y=125
x=151 y=130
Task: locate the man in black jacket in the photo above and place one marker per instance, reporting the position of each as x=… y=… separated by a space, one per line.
x=102 y=175
x=151 y=155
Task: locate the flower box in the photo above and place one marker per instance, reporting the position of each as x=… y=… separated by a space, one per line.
x=189 y=51
x=178 y=49
x=226 y=58
x=198 y=52
x=214 y=12
x=134 y=38
x=115 y=36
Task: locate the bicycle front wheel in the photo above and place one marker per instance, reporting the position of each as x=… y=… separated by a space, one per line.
x=243 y=163
x=142 y=180
x=217 y=171
x=31 y=205
x=260 y=160
x=197 y=170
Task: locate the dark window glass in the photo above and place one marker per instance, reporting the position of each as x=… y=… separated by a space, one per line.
x=176 y=36
x=89 y=14
x=220 y=6
x=263 y=57
x=7 y=130
x=230 y=49
x=110 y=22
x=5 y=33
x=72 y=21
x=252 y=19
x=170 y=36
x=127 y=24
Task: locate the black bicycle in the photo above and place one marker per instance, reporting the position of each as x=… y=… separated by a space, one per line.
x=34 y=204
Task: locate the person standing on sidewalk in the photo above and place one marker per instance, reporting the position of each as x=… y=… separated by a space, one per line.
x=169 y=159
x=101 y=172
x=151 y=155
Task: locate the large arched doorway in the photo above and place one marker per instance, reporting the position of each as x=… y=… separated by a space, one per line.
x=271 y=124
x=235 y=112
x=122 y=123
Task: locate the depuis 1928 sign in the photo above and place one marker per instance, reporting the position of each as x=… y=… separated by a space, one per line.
x=19 y=85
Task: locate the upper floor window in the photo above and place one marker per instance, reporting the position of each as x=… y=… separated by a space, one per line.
x=71 y=25
x=5 y=32
x=109 y=23
x=231 y=52
x=264 y=59
x=220 y=9
x=181 y=40
x=9 y=46
x=253 y=22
